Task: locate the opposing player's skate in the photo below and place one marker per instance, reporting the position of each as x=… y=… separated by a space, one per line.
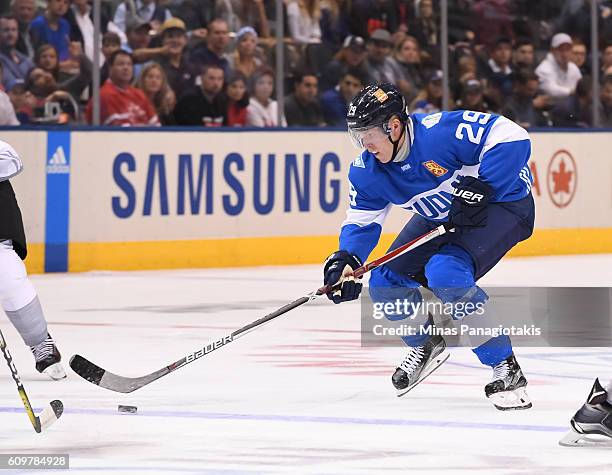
x=507 y=388
x=592 y=424
x=420 y=362
x=48 y=359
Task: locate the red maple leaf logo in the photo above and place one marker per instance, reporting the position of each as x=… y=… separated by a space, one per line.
x=562 y=179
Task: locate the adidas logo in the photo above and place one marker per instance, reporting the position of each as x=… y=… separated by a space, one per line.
x=58 y=163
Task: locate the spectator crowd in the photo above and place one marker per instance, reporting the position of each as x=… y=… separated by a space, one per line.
x=210 y=63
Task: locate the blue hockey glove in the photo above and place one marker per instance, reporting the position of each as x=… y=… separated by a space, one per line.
x=469 y=205
x=338 y=269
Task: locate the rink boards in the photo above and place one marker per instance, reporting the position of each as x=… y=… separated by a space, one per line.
x=154 y=199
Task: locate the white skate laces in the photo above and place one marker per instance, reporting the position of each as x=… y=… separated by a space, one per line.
x=413 y=359
x=501 y=371
x=43 y=350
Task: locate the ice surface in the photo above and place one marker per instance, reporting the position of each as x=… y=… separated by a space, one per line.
x=298 y=395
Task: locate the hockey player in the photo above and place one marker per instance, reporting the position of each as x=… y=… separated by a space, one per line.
x=463 y=167
x=592 y=424
x=17 y=295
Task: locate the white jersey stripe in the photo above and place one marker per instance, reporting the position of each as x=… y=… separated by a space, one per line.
x=362 y=217
x=503 y=130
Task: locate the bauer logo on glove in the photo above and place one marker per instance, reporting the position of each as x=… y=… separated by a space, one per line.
x=470 y=202
x=338 y=272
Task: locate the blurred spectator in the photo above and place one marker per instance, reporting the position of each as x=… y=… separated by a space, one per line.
x=263 y=110
x=382 y=68
x=407 y=60
x=80 y=18
x=207 y=104
x=241 y=13
x=7 y=112
x=23 y=102
x=237 y=100
x=574 y=110
x=195 y=13
x=244 y=59
x=154 y=83
x=426 y=28
x=523 y=56
x=472 y=97
x=110 y=43
x=605 y=108
x=352 y=55
x=334 y=22
x=334 y=102
x=121 y=103
x=51 y=105
x=558 y=75
x=498 y=72
x=24 y=11
x=74 y=80
x=366 y=16
x=460 y=22
x=579 y=56
x=302 y=108
x=173 y=59
x=606 y=60
x=15 y=64
x=466 y=69
x=213 y=52
x=575 y=18
x=491 y=19
x=524 y=106
x=303 y=18
x=145 y=11
x=51 y=28
x=138 y=34
x=429 y=99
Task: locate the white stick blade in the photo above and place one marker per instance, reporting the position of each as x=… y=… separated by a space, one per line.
x=50 y=414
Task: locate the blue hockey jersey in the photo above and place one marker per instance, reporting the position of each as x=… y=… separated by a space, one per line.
x=445 y=147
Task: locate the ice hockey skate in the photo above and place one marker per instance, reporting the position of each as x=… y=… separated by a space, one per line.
x=507 y=389
x=420 y=362
x=48 y=359
x=591 y=426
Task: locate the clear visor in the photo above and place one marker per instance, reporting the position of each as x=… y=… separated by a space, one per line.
x=363 y=138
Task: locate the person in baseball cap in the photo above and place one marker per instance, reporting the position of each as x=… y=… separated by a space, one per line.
x=356 y=43
x=558 y=75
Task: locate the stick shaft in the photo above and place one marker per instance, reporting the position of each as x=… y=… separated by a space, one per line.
x=20 y=389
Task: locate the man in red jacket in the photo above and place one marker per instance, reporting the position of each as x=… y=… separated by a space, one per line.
x=121 y=103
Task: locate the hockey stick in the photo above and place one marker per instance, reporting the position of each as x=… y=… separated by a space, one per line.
x=100 y=377
x=50 y=413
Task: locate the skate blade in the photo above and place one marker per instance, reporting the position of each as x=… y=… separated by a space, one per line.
x=55 y=371
x=430 y=368
x=516 y=400
x=574 y=439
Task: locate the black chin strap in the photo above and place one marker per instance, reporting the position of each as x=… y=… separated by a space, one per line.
x=396 y=143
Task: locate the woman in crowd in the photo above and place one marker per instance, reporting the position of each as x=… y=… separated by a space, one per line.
x=238 y=100
x=407 y=57
x=303 y=17
x=154 y=84
x=73 y=76
x=263 y=110
x=244 y=59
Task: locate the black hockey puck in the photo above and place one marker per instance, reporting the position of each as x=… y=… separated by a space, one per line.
x=127 y=409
